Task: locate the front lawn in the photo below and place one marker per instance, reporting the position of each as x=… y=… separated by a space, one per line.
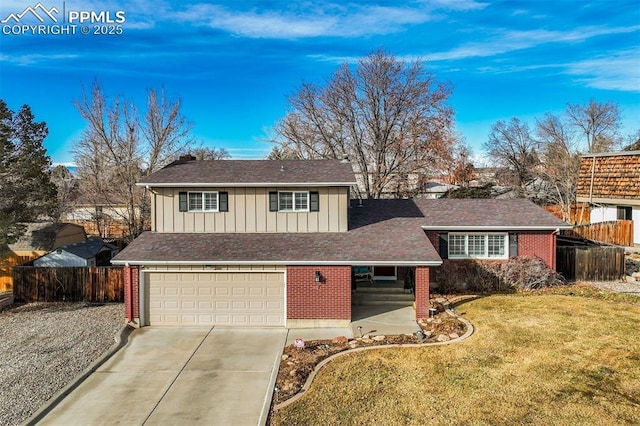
x=534 y=359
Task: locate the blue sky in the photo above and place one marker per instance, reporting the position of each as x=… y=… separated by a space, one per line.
x=233 y=63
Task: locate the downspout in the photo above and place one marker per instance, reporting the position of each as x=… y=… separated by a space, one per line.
x=129 y=301
x=553 y=248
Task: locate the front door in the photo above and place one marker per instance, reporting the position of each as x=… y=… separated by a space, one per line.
x=384 y=273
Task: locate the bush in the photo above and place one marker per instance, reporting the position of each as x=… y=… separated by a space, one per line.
x=494 y=276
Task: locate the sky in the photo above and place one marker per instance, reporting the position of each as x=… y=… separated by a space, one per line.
x=234 y=63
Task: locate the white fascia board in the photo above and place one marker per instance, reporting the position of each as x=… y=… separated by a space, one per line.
x=495 y=228
x=241 y=185
x=282 y=262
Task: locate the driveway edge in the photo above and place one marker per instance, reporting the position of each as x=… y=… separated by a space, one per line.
x=449 y=308
x=121 y=339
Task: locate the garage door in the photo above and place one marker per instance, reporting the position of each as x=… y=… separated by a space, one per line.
x=216 y=298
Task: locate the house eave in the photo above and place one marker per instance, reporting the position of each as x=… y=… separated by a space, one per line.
x=240 y=185
x=496 y=228
x=279 y=263
x=612 y=201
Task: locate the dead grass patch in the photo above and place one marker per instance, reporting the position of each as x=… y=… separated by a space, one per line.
x=534 y=359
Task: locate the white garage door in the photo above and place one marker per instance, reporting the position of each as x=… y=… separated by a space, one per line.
x=216 y=298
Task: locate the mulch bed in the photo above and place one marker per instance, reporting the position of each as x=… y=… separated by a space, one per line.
x=297 y=363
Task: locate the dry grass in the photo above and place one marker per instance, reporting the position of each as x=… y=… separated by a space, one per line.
x=534 y=360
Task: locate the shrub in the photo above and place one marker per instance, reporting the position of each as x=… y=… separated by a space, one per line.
x=494 y=276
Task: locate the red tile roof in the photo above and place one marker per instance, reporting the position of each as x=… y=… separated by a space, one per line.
x=253 y=173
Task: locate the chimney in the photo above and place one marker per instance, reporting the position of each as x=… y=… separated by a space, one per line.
x=187 y=157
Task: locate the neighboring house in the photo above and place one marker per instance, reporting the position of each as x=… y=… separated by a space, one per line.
x=39 y=238
x=274 y=243
x=610 y=183
x=92 y=252
x=99 y=216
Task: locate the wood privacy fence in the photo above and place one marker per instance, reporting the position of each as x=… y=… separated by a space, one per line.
x=619 y=232
x=77 y=284
x=590 y=263
x=6 y=270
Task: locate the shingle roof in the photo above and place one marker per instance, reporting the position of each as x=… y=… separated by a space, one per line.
x=483 y=214
x=253 y=173
x=380 y=232
x=39 y=236
x=615 y=176
x=87 y=249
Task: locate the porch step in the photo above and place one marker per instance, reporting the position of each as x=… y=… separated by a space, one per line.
x=377 y=297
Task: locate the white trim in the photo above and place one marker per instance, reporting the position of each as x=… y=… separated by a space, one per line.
x=142 y=297
x=284 y=262
x=610 y=154
x=293 y=202
x=203 y=209
x=241 y=184
x=495 y=228
x=505 y=240
x=219 y=271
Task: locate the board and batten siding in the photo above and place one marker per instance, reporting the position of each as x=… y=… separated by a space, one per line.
x=249 y=212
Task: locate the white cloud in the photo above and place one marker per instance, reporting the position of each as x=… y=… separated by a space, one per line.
x=618 y=71
x=31 y=59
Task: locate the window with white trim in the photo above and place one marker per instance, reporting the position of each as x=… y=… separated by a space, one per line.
x=478 y=245
x=293 y=201
x=203 y=201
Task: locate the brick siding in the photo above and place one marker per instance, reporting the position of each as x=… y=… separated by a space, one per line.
x=329 y=299
x=132 y=292
x=422 y=292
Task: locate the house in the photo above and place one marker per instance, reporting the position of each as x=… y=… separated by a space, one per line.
x=39 y=238
x=93 y=252
x=610 y=183
x=100 y=215
x=275 y=243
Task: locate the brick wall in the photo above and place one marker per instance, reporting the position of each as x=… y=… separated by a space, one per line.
x=131 y=292
x=422 y=292
x=533 y=244
x=538 y=244
x=308 y=299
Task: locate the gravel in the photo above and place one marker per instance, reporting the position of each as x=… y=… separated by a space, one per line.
x=44 y=346
x=627 y=287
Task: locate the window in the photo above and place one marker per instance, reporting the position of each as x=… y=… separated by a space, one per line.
x=210 y=201
x=293 y=201
x=478 y=246
x=203 y=201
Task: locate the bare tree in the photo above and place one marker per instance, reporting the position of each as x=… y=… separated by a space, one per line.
x=207 y=153
x=561 y=161
x=511 y=145
x=118 y=148
x=598 y=124
x=388 y=116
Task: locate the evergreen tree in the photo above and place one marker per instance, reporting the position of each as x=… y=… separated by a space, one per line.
x=26 y=191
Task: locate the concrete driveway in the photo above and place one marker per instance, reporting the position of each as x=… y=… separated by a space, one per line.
x=217 y=376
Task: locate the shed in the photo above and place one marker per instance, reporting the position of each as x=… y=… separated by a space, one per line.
x=88 y=253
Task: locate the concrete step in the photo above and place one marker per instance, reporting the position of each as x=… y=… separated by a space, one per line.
x=365 y=302
x=380 y=289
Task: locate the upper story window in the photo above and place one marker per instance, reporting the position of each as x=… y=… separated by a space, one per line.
x=203 y=201
x=478 y=246
x=294 y=201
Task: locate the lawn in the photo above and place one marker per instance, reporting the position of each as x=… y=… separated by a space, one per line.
x=533 y=360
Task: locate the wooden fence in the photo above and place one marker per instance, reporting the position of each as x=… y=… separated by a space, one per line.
x=590 y=263
x=6 y=270
x=77 y=284
x=619 y=232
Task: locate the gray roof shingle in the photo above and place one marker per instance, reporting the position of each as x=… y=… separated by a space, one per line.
x=253 y=172
x=380 y=232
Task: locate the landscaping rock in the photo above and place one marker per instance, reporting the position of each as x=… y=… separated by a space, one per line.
x=453 y=335
x=366 y=340
x=285 y=357
x=378 y=338
x=340 y=340
x=442 y=338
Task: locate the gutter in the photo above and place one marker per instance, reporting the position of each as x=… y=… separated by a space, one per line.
x=495 y=228
x=241 y=185
x=282 y=262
